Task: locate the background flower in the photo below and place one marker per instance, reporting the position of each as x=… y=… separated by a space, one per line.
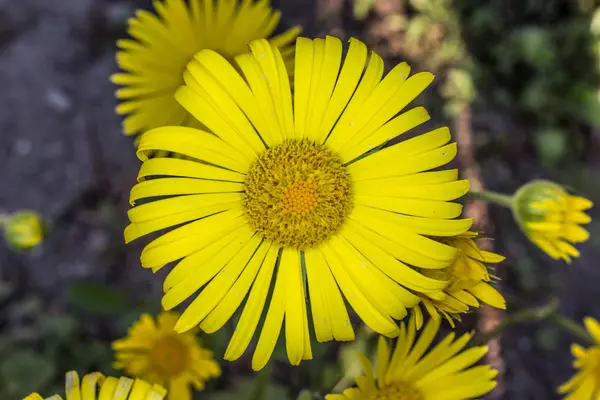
x=96 y=386
x=414 y=369
x=162 y=44
x=155 y=352
x=585 y=384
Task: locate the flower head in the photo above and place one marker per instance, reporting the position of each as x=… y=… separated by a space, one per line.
x=96 y=386
x=286 y=189
x=585 y=385
x=23 y=229
x=155 y=352
x=551 y=218
x=162 y=44
x=469 y=281
x=444 y=372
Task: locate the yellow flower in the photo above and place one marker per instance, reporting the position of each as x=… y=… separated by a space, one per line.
x=23 y=230
x=551 y=218
x=95 y=386
x=469 y=281
x=446 y=372
x=155 y=352
x=585 y=385
x=287 y=190
x=154 y=59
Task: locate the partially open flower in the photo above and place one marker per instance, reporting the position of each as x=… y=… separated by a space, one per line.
x=96 y=386
x=23 y=230
x=551 y=218
x=470 y=281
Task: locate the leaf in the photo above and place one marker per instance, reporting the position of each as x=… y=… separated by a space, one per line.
x=305 y=395
x=25 y=372
x=59 y=326
x=551 y=144
x=99 y=299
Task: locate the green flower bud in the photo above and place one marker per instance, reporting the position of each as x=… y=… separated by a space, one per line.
x=23 y=230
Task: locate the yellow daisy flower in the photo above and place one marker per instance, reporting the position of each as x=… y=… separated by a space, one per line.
x=444 y=373
x=95 y=386
x=469 y=281
x=551 y=218
x=287 y=189
x=161 y=45
x=155 y=352
x=585 y=385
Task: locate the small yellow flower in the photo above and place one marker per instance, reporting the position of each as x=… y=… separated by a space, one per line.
x=585 y=385
x=162 y=45
x=96 y=386
x=551 y=218
x=155 y=352
x=446 y=372
x=469 y=281
x=23 y=230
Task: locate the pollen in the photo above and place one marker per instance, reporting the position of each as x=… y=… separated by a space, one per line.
x=297 y=194
x=299 y=198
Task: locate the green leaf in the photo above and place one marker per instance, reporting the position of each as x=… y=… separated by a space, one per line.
x=25 y=372
x=99 y=299
x=551 y=144
x=59 y=326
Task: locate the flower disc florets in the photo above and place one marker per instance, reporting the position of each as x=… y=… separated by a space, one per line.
x=297 y=193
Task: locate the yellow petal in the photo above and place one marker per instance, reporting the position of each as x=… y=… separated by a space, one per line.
x=253 y=310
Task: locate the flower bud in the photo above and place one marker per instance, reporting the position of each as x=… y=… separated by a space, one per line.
x=551 y=218
x=23 y=230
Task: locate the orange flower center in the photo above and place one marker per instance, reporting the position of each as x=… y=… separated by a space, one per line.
x=299 y=198
x=169 y=356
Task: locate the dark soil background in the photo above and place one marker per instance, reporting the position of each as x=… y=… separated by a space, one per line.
x=62 y=153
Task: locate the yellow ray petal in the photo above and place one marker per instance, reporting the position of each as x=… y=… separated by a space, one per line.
x=193 y=143
x=186 y=168
x=354 y=65
x=235 y=295
x=377 y=321
x=254 y=306
x=216 y=289
x=334 y=315
x=395 y=127
x=183 y=241
x=178 y=186
x=272 y=326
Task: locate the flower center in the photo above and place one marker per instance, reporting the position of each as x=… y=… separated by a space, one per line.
x=297 y=194
x=169 y=356
x=399 y=391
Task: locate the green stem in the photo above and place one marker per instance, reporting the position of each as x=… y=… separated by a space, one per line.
x=571 y=327
x=546 y=312
x=492 y=197
x=262 y=383
x=538 y=313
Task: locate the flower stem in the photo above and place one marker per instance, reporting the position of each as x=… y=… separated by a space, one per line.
x=262 y=383
x=537 y=313
x=571 y=327
x=546 y=312
x=492 y=197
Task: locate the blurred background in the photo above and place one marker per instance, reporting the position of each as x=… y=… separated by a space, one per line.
x=521 y=78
